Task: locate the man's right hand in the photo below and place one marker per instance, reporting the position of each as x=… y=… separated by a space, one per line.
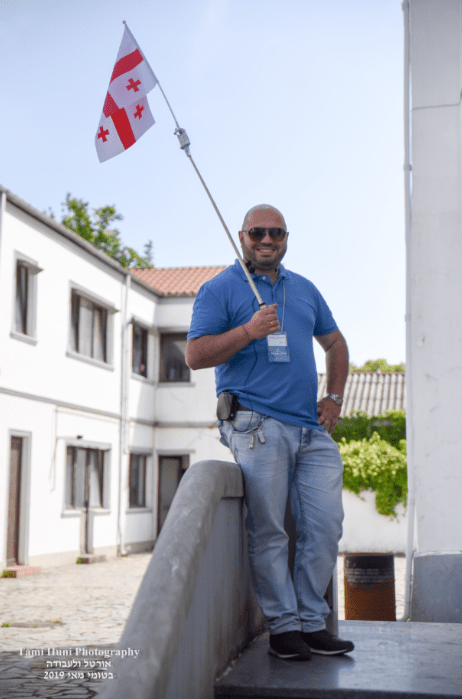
x=263 y=323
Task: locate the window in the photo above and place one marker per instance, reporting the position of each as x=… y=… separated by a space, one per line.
x=85 y=478
x=137 y=480
x=25 y=298
x=140 y=350
x=173 y=365
x=89 y=328
x=171 y=471
x=22 y=298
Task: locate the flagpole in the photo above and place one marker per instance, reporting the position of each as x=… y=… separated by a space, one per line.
x=261 y=303
x=184 y=145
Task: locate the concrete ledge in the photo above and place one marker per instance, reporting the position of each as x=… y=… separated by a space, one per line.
x=90 y=558
x=19 y=571
x=140 y=546
x=64 y=558
x=436 y=594
x=156 y=622
x=391 y=660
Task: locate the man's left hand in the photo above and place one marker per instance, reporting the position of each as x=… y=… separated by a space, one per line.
x=328 y=412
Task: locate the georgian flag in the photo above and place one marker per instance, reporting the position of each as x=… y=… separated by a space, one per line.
x=126 y=114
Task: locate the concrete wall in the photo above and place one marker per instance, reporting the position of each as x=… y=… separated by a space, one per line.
x=364 y=529
x=435 y=283
x=195 y=607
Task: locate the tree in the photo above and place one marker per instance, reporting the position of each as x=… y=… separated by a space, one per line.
x=94 y=227
x=149 y=252
x=378 y=365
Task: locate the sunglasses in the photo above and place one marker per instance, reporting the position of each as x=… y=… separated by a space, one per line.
x=257 y=234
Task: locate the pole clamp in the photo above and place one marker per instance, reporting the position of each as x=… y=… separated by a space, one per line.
x=183 y=139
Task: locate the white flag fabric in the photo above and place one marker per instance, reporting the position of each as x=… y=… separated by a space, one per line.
x=126 y=114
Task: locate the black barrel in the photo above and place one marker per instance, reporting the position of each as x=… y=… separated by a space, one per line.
x=370 y=586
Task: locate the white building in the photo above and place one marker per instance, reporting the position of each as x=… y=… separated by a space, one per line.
x=99 y=414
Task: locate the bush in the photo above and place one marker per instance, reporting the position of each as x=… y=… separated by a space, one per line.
x=375 y=464
x=361 y=426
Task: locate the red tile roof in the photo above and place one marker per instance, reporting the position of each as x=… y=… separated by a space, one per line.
x=177 y=281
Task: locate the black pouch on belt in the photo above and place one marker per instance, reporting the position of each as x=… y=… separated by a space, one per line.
x=227 y=406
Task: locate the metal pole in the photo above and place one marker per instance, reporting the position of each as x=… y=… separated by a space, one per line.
x=184 y=145
x=261 y=303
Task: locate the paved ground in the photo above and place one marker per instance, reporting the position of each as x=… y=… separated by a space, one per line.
x=80 y=609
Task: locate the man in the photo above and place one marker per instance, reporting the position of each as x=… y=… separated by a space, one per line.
x=280 y=436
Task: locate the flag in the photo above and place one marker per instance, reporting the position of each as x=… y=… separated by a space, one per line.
x=126 y=115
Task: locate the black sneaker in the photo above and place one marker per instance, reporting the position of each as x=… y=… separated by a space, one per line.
x=325 y=643
x=289 y=645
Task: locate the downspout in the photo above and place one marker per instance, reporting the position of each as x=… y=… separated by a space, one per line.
x=124 y=417
x=409 y=408
x=2 y=210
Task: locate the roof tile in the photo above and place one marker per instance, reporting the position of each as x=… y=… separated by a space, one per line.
x=177 y=281
x=373 y=392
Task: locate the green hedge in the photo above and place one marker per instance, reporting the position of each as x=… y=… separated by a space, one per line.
x=362 y=426
x=374 y=457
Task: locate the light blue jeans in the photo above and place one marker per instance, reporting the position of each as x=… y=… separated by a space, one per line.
x=280 y=461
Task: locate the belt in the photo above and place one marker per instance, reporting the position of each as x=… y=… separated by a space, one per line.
x=241 y=407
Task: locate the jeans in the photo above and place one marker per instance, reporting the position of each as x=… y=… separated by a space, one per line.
x=280 y=461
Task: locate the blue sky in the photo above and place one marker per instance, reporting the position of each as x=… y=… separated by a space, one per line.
x=295 y=104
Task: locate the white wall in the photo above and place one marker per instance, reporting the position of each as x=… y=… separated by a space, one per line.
x=365 y=530
x=436 y=279
x=51 y=396
x=435 y=284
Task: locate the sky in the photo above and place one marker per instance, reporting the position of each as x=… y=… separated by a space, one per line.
x=298 y=104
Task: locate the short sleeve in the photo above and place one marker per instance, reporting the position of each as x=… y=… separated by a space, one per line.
x=209 y=316
x=325 y=322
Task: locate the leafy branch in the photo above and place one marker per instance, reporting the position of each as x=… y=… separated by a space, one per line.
x=94 y=227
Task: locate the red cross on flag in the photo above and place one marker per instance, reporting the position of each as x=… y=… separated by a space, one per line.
x=126 y=115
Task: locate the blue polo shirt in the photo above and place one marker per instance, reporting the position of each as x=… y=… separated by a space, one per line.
x=286 y=391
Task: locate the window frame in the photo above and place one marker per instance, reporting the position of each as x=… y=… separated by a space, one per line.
x=184 y=459
x=104 y=453
x=144 y=331
x=148 y=483
x=97 y=303
x=164 y=334
x=30 y=320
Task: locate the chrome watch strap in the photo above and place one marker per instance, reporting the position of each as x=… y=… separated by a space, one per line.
x=335 y=398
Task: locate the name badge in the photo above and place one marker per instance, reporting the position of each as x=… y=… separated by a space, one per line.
x=278 y=350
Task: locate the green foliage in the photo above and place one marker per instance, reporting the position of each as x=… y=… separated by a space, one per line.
x=374 y=464
x=362 y=426
x=377 y=365
x=94 y=227
x=373 y=449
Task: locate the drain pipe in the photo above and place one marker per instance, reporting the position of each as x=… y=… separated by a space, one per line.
x=409 y=408
x=124 y=417
x=2 y=211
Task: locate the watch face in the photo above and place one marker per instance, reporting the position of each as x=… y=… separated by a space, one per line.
x=336 y=399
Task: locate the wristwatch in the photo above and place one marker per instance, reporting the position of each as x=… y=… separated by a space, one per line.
x=335 y=398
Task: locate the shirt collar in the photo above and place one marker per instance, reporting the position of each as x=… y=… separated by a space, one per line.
x=282 y=271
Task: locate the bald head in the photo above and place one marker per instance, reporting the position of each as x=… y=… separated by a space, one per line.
x=262 y=208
